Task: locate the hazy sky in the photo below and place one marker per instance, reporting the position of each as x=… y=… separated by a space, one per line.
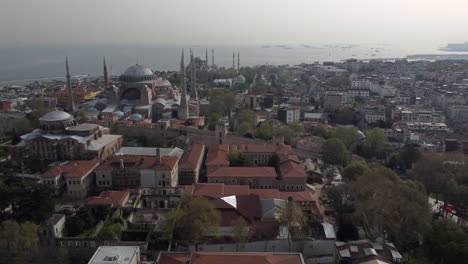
x=234 y=22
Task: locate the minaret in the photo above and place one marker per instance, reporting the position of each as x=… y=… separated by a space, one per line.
x=71 y=101
x=212 y=57
x=238 y=61
x=233 y=60
x=183 y=109
x=194 y=77
x=106 y=76
x=206 y=57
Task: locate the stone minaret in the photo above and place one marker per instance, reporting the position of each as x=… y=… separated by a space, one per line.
x=106 y=76
x=206 y=57
x=233 y=60
x=71 y=101
x=238 y=61
x=212 y=57
x=183 y=109
x=194 y=77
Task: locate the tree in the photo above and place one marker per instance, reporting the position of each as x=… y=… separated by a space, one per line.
x=376 y=141
x=286 y=132
x=244 y=129
x=335 y=152
x=213 y=121
x=322 y=131
x=354 y=170
x=240 y=230
x=447 y=243
x=264 y=131
x=18 y=238
x=81 y=117
x=386 y=205
x=260 y=87
x=433 y=174
x=291 y=215
x=247 y=116
x=192 y=220
x=30 y=201
x=238 y=159
x=297 y=127
x=222 y=101
x=409 y=154
x=347 y=135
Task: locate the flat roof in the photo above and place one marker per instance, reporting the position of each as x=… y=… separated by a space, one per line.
x=115 y=255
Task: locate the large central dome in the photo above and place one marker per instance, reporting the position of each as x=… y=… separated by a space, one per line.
x=137 y=73
x=55 y=116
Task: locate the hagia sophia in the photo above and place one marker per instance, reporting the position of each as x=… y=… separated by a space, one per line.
x=139 y=97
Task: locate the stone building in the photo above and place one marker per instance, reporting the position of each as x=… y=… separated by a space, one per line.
x=278 y=167
x=75 y=177
x=134 y=171
x=60 y=138
x=190 y=163
x=51 y=229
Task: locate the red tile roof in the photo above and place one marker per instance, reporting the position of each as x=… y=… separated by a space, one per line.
x=266 y=194
x=217 y=154
x=218 y=190
x=244 y=172
x=140 y=162
x=112 y=198
x=230 y=258
x=292 y=169
x=71 y=169
x=215 y=190
x=191 y=156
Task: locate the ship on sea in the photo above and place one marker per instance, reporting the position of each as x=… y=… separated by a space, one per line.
x=456 y=47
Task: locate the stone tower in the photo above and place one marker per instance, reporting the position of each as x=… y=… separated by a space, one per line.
x=193 y=77
x=212 y=57
x=71 y=101
x=233 y=60
x=183 y=109
x=221 y=131
x=106 y=76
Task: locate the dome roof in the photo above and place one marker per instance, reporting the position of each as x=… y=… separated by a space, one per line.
x=137 y=73
x=119 y=113
x=359 y=134
x=138 y=70
x=136 y=117
x=56 y=116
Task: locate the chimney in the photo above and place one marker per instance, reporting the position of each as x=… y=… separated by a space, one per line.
x=122 y=164
x=158 y=155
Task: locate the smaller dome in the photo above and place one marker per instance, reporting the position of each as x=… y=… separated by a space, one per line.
x=55 y=116
x=119 y=113
x=359 y=135
x=136 y=117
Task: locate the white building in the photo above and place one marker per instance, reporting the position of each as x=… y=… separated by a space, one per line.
x=289 y=115
x=116 y=255
x=458 y=113
x=421 y=126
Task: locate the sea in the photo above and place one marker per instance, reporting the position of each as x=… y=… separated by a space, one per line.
x=22 y=63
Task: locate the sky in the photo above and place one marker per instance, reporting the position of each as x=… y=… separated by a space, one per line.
x=219 y=22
